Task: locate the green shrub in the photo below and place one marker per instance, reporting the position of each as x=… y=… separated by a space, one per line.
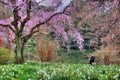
x=5 y=55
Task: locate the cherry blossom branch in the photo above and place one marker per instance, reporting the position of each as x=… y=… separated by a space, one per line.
x=16 y=18
x=7 y=25
x=41 y=1
x=41 y=23
x=27 y=18
x=5 y=3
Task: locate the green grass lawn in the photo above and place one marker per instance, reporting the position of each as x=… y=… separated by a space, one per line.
x=58 y=71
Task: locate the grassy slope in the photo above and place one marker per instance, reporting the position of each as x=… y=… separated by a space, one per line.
x=58 y=71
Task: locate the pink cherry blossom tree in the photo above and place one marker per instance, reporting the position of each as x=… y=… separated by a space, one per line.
x=23 y=24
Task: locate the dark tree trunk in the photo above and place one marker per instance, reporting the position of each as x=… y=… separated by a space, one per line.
x=19 y=57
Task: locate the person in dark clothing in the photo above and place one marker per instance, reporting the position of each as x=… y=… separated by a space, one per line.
x=92 y=59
